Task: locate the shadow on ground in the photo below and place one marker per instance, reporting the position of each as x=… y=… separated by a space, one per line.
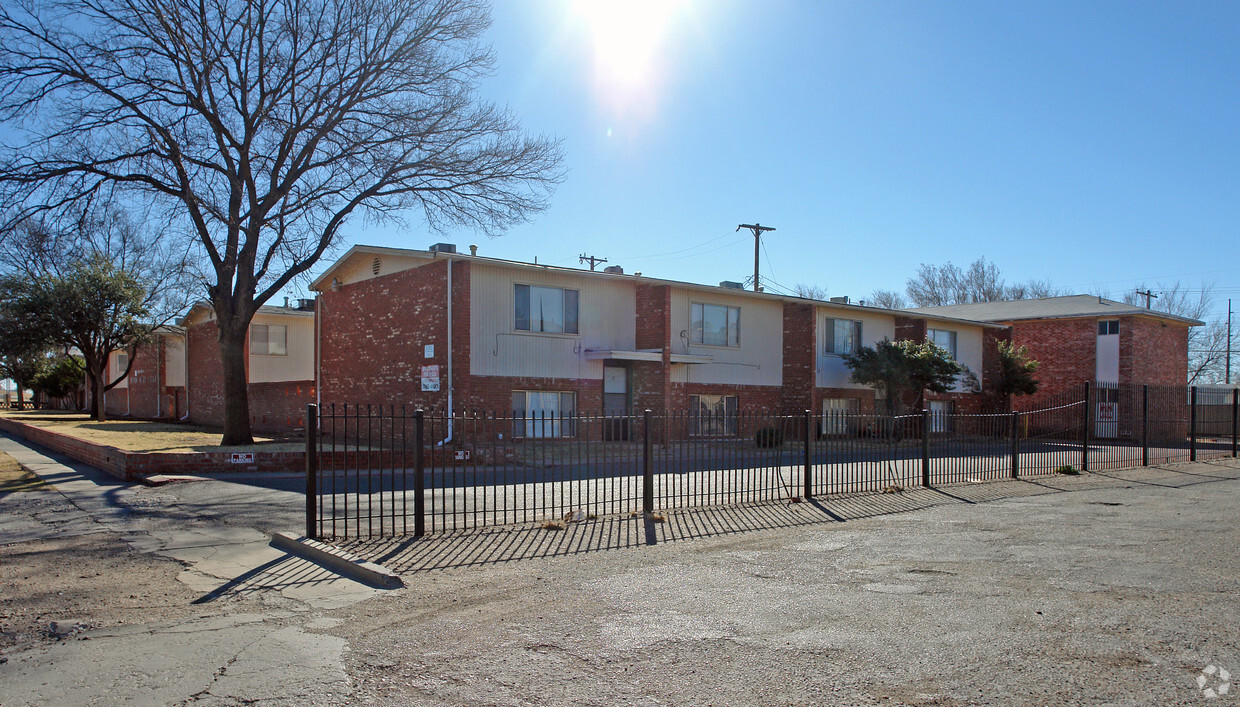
x=506 y=544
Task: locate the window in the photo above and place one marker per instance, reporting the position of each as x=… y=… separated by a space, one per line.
x=715 y=324
x=843 y=336
x=713 y=415
x=268 y=340
x=944 y=339
x=839 y=415
x=1108 y=327
x=122 y=362
x=539 y=413
x=550 y=310
x=941 y=412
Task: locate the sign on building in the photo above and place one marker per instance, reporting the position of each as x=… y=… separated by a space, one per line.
x=430 y=378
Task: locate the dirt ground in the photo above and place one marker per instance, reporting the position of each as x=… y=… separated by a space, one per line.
x=52 y=590
x=141 y=435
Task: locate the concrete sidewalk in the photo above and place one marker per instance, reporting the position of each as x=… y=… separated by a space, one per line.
x=265 y=602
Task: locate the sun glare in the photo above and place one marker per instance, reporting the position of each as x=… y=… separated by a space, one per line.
x=629 y=40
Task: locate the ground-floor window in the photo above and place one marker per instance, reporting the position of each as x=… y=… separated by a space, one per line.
x=941 y=415
x=541 y=413
x=713 y=415
x=839 y=415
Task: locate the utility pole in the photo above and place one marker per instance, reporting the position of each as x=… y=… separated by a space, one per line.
x=1147 y=295
x=592 y=260
x=1229 y=313
x=758 y=229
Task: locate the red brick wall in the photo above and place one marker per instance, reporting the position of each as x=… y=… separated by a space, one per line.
x=910 y=329
x=652 y=382
x=1066 y=352
x=373 y=334
x=279 y=406
x=204 y=376
x=493 y=394
x=116 y=401
x=800 y=356
x=750 y=398
x=1152 y=352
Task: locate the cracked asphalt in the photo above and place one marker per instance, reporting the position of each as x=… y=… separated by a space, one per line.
x=1116 y=588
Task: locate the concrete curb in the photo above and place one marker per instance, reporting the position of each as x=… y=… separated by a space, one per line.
x=337 y=560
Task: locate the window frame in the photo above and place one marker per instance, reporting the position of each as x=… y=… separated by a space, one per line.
x=697 y=328
x=567 y=295
x=563 y=424
x=829 y=337
x=267 y=340
x=1108 y=324
x=722 y=425
x=952 y=350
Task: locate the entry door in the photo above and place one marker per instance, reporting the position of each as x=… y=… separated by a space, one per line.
x=616 y=402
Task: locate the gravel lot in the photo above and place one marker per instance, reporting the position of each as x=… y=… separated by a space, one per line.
x=1119 y=593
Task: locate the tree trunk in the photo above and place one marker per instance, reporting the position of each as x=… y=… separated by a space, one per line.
x=236 y=395
x=20 y=384
x=98 y=411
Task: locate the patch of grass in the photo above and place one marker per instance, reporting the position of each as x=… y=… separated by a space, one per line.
x=14 y=478
x=1068 y=470
x=553 y=525
x=142 y=435
x=894 y=488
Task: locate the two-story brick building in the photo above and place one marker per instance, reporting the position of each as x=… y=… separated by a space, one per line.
x=439 y=329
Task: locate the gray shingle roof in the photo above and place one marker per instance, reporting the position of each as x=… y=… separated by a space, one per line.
x=1048 y=308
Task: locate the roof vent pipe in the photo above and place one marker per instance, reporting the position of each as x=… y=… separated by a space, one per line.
x=473 y=250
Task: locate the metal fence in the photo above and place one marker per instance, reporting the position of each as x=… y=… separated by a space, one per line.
x=388 y=470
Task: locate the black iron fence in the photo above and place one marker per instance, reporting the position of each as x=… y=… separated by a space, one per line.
x=389 y=470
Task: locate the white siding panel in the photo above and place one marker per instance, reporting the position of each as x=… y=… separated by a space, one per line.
x=606 y=317
x=831 y=371
x=759 y=358
x=361 y=266
x=174 y=361
x=969 y=349
x=298 y=365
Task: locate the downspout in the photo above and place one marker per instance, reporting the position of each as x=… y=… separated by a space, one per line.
x=447 y=439
x=185 y=372
x=318 y=362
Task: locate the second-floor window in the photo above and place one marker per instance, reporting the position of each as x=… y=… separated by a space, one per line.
x=716 y=324
x=944 y=338
x=550 y=310
x=122 y=362
x=269 y=339
x=843 y=336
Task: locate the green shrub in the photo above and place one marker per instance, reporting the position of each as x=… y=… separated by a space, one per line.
x=769 y=437
x=1068 y=470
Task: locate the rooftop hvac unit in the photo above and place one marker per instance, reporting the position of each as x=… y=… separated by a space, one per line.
x=614 y=269
x=443 y=248
x=732 y=285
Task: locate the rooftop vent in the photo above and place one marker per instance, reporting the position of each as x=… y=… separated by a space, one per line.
x=840 y=300
x=305 y=304
x=614 y=269
x=443 y=248
x=732 y=285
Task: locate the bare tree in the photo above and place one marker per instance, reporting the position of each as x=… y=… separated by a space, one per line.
x=1207 y=345
x=887 y=299
x=939 y=285
x=264 y=126
x=810 y=291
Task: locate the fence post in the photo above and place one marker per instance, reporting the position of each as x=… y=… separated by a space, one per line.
x=809 y=462
x=1235 y=418
x=1085 y=431
x=647 y=466
x=1192 y=425
x=1015 y=444
x=1145 y=425
x=312 y=472
x=419 y=474
x=925 y=447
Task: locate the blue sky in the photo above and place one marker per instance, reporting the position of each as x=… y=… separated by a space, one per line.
x=1096 y=144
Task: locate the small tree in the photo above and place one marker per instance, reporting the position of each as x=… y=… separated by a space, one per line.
x=58 y=377
x=900 y=367
x=1017 y=373
x=22 y=343
x=92 y=307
